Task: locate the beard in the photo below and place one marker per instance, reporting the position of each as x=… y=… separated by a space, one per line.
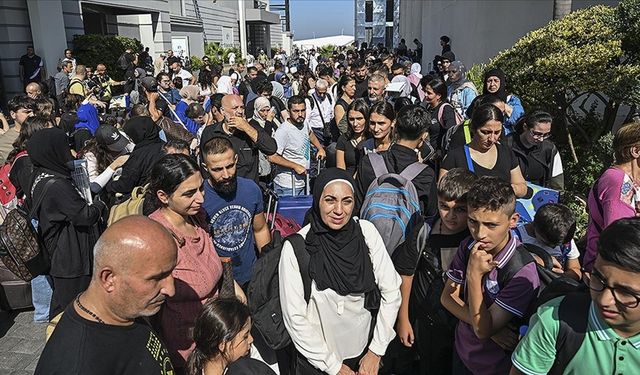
x=226 y=187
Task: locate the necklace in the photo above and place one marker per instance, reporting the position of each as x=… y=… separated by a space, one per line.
x=96 y=317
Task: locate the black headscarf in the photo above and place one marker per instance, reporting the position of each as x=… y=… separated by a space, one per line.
x=502 y=91
x=142 y=131
x=339 y=259
x=49 y=149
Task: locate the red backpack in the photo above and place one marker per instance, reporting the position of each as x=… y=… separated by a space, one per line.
x=7 y=190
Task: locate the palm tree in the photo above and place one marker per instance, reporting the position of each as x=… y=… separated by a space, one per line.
x=561 y=8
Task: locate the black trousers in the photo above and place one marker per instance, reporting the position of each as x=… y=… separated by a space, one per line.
x=65 y=291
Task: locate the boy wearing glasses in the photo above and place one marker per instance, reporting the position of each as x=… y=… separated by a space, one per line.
x=611 y=341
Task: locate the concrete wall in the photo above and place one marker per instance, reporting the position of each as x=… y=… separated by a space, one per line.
x=15 y=36
x=479 y=29
x=214 y=17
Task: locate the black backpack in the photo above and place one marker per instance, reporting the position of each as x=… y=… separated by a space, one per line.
x=573 y=310
x=263 y=293
x=428 y=284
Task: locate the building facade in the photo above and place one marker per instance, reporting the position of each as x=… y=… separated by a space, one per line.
x=377 y=21
x=181 y=25
x=479 y=29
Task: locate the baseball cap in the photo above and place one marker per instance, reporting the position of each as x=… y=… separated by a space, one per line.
x=149 y=83
x=109 y=136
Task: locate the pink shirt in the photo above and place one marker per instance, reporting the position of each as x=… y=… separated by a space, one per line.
x=616 y=192
x=197 y=277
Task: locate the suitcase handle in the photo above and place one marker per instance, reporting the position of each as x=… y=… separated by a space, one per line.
x=293 y=183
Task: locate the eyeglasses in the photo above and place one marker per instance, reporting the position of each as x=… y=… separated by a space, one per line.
x=452 y=71
x=540 y=135
x=621 y=295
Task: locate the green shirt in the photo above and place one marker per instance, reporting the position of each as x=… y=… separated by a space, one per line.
x=602 y=351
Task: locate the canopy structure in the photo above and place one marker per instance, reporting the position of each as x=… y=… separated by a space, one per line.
x=338 y=40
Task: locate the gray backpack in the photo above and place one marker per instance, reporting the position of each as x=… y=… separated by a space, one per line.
x=392 y=203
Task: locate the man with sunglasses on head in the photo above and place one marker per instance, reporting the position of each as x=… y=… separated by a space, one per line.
x=596 y=332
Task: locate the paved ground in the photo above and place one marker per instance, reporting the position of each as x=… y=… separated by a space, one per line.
x=21 y=341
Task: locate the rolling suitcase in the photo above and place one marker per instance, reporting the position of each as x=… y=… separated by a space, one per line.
x=277 y=222
x=295 y=207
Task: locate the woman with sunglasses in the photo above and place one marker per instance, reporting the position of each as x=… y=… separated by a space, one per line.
x=538 y=157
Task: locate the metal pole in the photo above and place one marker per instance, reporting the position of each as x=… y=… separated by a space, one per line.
x=243 y=28
x=286 y=15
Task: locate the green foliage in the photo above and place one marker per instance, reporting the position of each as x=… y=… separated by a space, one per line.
x=218 y=54
x=92 y=50
x=475 y=74
x=581 y=52
x=579 y=177
x=196 y=63
x=574 y=67
x=628 y=25
x=327 y=51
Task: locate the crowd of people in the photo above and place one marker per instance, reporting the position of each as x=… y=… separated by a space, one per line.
x=458 y=292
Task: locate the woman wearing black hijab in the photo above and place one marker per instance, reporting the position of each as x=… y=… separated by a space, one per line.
x=495 y=82
x=349 y=266
x=135 y=172
x=69 y=225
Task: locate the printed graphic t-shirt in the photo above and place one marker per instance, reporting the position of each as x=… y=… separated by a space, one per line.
x=230 y=222
x=79 y=346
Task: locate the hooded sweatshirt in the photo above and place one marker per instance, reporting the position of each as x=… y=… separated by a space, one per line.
x=135 y=172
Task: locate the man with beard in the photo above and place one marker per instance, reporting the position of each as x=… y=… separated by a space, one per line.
x=359 y=70
x=293 y=157
x=375 y=91
x=234 y=208
x=102 y=331
x=246 y=139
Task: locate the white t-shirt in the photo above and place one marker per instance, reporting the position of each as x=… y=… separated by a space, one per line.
x=313 y=115
x=186 y=77
x=294 y=145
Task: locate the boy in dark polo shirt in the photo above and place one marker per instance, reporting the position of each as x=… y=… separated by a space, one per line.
x=476 y=293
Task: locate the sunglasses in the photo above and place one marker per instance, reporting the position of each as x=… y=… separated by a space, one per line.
x=540 y=135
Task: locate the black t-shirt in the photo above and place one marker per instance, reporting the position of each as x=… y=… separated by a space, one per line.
x=405 y=258
x=535 y=162
x=30 y=65
x=351 y=154
x=439 y=126
x=249 y=366
x=506 y=161
x=79 y=346
x=362 y=88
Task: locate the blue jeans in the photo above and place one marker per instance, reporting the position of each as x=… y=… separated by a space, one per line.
x=283 y=191
x=41 y=292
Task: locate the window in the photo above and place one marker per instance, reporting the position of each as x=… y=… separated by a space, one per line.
x=388 y=36
x=389 y=10
x=368 y=11
x=368 y=35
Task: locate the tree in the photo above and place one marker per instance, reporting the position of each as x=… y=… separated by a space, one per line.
x=93 y=49
x=567 y=65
